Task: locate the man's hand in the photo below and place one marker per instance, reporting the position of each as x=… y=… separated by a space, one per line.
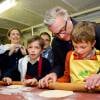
x=52 y=77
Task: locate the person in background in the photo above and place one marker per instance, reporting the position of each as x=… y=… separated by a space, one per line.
x=14 y=51
x=33 y=66
x=61 y=25
x=47 y=52
x=84 y=60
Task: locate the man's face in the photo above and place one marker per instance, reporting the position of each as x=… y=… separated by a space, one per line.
x=59 y=29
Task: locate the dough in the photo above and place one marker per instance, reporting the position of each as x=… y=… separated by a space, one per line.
x=55 y=93
x=15 y=86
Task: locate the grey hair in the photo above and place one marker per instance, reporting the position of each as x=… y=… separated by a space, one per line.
x=51 y=15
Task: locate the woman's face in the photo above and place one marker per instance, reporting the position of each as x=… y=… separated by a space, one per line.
x=14 y=37
x=46 y=40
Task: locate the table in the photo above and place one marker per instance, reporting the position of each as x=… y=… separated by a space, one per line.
x=32 y=94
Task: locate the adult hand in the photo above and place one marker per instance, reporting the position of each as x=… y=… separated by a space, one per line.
x=14 y=48
x=92 y=81
x=52 y=77
x=23 y=50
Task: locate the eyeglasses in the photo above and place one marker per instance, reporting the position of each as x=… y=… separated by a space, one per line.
x=60 y=31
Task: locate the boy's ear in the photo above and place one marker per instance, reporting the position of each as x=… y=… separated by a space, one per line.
x=93 y=44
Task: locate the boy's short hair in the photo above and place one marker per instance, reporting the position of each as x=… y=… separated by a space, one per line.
x=36 y=38
x=83 y=31
x=45 y=33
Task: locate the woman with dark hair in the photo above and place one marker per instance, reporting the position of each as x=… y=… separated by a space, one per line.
x=14 y=51
x=47 y=52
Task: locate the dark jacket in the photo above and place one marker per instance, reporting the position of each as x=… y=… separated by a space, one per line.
x=11 y=66
x=32 y=69
x=97 y=30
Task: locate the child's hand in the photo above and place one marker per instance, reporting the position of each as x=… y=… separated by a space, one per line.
x=31 y=82
x=7 y=80
x=92 y=81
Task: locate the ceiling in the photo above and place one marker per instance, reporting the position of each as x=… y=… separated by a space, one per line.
x=29 y=13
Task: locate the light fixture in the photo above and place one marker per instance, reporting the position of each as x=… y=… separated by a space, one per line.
x=7 y=4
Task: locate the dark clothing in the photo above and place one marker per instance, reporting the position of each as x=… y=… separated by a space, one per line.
x=32 y=69
x=97 y=30
x=60 y=49
x=11 y=69
x=3 y=64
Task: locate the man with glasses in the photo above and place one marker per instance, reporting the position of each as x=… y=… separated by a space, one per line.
x=61 y=25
